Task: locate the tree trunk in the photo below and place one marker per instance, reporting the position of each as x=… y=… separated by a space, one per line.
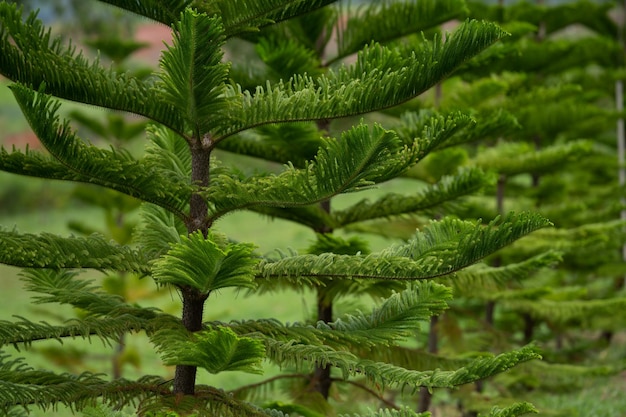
x=321 y=376
x=193 y=300
x=322 y=380
x=529 y=328
x=193 y=306
x=433 y=347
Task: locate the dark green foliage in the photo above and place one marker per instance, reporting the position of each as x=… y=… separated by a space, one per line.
x=195 y=103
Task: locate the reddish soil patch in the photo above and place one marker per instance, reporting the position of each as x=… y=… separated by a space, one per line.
x=154 y=35
x=22 y=140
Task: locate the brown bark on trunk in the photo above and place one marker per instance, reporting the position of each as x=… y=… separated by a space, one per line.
x=193 y=300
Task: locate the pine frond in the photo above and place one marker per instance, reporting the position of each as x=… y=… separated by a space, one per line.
x=398 y=317
x=438 y=131
x=23 y=386
x=401 y=228
x=544 y=95
x=555 y=376
x=206 y=402
x=334 y=289
x=517 y=158
x=441 y=249
x=415 y=359
x=434 y=133
x=560 y=55
x=363 y=157
x=62 y=287
x=402 y=412
x=114 y=128
x=45 y=390
x=517 y=409
x=390 y=20
x=193 y=76
x=240 y=17
x=107 y=316
x=482 y=95
x=449 y=188
x=576 y=243
x=380 y=78
x=216 y=350
x=29 y=56
x=17 y=412
x=481 y=280
x=432 y=129
x=159 y=229
x=169 y=151
x=565 y=311
x=275 y=143
x=569 y=117
x=102 y=411
x=384 y=375
x=163 y=11
x=206 y=264
x=42 y=165
x=298 y=409
x=286 y=56
x=78 y=161
x=51 y=251
x=312 y=31
x=329 y=242
x=590 y=14
x=109 y=329
x=313 y=216
x=395 y=319
x=490 y=124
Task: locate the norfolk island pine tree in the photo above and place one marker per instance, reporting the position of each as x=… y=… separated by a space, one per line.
x=564 y=121
x=580 y=298
x=309 y=48
x=559 y=113
x=194 y=108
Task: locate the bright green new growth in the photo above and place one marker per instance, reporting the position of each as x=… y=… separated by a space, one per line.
x=216 y=351
x=201 y=263
x=195 y=104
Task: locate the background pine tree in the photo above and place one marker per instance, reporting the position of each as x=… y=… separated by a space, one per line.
x=560 y=161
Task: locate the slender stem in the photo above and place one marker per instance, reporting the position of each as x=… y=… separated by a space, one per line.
x=490 y=307
x=529 y=328
x=193 y=300
x=536 y=178
x=425 y=397
x=621 y=130
x=501 y=190
x=490 y=310
x=193 y=306
x=198 y=207
x=322 y=380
